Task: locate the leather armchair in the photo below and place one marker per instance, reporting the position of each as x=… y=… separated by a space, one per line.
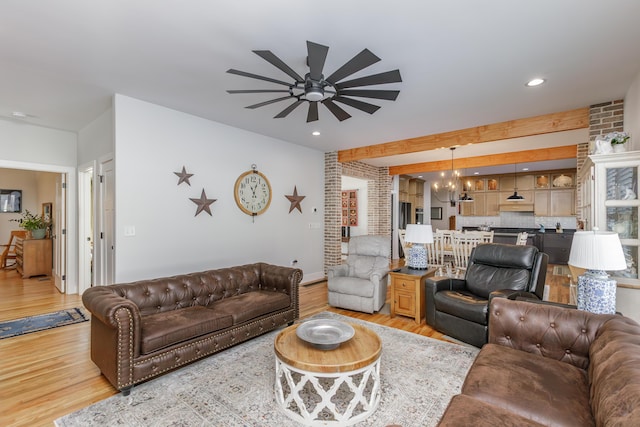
x=459 y=307
x=361 y=283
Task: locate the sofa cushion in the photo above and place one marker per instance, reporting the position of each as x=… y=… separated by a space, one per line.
x=462 y=304
x=614 y=373
x=351 y=286
x=170 y=327
x=545 y=390
x=465 y=411
x=251 y=305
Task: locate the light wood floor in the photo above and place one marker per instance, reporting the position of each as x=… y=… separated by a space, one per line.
x=45 y=375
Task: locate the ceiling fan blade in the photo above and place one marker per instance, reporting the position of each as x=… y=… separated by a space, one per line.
x=317 y=54
x=364 y=106
x=336 y=110
x=389 y=95
x=255 y=76
x=374 y=79
x=268 y=56
x=312 y=114
x=290 y=108
x=271 y=101
x=355 y=64
x=258 y=91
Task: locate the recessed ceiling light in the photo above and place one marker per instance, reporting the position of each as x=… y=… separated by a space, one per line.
x=525 y=169
x=535 y=82
x=476 y=173
x=19 y=114
x=315 y=133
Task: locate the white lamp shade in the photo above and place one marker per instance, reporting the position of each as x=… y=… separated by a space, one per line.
x=418 y=233
x=597 y=250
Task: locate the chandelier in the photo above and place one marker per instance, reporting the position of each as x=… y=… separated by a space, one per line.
x=448 y=187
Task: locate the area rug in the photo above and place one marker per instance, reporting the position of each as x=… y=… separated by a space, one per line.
x=419 y=375
x=26 y=325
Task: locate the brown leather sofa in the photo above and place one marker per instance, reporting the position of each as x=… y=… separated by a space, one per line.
x=144 y=329
x=551 y=366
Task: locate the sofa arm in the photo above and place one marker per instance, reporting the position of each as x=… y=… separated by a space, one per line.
x=340 y=270
x=550 y=331
x=434 y=286
x=279 y=278
x=513 y=294
x=377 y=276
x=104 y=302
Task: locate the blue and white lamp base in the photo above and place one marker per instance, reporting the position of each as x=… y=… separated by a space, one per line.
x=596 y=292
x=417 y=257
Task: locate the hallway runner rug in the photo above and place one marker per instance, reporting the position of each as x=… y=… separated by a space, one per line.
x=235 y=388
x=41 y=322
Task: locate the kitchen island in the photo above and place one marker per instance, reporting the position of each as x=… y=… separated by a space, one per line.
x=556 y=245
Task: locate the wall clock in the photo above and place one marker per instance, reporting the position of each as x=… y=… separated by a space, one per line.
x=252 y=192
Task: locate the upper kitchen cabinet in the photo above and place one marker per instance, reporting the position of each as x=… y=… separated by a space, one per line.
x=609 y=201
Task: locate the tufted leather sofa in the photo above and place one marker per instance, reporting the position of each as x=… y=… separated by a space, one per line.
x=551 y=366
x=144 y=329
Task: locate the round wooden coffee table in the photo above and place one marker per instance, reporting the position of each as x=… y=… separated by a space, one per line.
x=328 y=387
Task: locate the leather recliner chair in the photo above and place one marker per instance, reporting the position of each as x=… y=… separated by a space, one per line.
x=459 y=307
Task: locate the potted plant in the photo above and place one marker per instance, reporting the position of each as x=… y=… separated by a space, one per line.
x=618 y=140
x=34 y=224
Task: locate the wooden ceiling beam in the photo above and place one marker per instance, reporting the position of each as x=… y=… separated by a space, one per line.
x=548 y=123
x=539 y=155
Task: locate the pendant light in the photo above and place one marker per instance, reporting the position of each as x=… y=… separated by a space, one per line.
x=515 y=197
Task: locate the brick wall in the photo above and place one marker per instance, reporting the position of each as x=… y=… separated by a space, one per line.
x=603 y=118
x=378 y=207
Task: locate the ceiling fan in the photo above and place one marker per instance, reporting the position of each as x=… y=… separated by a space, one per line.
x=314 y=88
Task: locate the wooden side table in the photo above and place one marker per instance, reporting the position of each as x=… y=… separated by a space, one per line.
x=408 y=292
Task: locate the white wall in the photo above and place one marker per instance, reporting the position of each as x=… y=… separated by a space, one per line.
x=152 y=142
x=96 y=139
x=632 y=113
x=21 y=142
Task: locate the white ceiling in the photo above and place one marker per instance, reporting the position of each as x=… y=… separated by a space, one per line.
x=463 y=63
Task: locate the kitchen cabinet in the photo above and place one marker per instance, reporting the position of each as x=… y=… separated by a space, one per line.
x=546 y=193
x=541 y=203
x=609 y=186
x=562 y=202
x=557 y=246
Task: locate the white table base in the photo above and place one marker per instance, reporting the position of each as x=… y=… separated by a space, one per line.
x=363 y=386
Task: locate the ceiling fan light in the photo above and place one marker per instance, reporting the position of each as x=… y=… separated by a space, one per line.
x=314 y=94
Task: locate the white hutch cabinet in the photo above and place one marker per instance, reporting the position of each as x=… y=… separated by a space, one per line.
x=609 y=200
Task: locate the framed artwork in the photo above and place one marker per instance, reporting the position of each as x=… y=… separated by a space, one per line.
x=349 y=208
x=10 y=201
x=47 y=213
x=436 y=213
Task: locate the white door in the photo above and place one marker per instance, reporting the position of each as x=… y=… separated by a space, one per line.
x=60 y=234
x=85 y=228
x=107 y=221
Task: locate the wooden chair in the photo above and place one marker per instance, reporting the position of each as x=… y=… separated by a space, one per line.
x=403 y=244
x=9 y=251
x=445 y=235
x=462 y=245
x=435 y=256
x=521 y=240
x=485 y=236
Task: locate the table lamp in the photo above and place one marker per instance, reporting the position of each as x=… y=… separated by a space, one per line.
x=597 y=252
x=418 y=235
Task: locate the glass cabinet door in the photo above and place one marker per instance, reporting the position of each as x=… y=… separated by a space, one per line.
x=621 y=208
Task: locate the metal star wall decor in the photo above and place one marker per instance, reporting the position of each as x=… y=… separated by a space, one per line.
x=184 y=176
x=295 y=200
x=203 y=203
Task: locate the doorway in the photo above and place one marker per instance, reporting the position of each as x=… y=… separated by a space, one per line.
x=65 y=243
